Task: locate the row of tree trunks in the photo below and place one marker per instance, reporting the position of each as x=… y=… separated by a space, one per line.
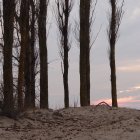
x=85 y=52
x=26 y=72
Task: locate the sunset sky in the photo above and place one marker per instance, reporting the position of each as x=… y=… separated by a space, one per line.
x=127 y=58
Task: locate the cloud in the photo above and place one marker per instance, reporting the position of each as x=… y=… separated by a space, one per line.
x=132 y=89
x=129 y=68
x=137 y=87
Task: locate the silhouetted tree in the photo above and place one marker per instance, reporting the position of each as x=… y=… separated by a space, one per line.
x=8 y=19
x=43 y=53
x=85 y=52
x=33 y=57
x=64 y=8
x=24 y=31
x=114 y=24
x=30 y=60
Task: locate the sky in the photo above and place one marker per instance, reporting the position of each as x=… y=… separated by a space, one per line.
x=127 y=58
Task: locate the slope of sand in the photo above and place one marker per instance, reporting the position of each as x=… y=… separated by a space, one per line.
x=85 y=123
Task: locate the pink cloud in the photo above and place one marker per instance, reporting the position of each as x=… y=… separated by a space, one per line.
x=121 y=101
x=129 y=68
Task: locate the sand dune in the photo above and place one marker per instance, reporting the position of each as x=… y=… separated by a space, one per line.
x=82 y=123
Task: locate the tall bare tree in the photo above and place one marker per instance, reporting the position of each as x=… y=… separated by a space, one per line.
x=33 y=58
x=114 y=24
x=43 y=53
x=85 y=52
x=8 y=18
x=27 y=68
x=64 y=8
x=30 y=60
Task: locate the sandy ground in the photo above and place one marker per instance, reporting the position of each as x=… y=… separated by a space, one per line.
x=86 y=123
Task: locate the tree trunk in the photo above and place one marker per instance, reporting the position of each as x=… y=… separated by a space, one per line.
x=66 y=51
x=64 y=8
x=27 y=75
x=43 y=54
x=24 y=19
x=84 y=52
x=8 y=18
x=113 y=77
x=112 y=52
x=33 y=59
x=30 y=64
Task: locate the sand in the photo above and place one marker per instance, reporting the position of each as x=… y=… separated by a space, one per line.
x=81 y=123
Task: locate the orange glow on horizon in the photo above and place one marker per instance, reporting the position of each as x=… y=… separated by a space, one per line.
x=121 y=101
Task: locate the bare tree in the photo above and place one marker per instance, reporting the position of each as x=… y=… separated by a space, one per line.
x=43 y=53
x=27 y=66
x=24 y=28
x=30 y=60
x=114 y=24
x=85 y=6
x=8 y=18
x=64 y=8
x=33 y=58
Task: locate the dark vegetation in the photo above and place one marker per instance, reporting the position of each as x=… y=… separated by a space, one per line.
x=24 y=47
